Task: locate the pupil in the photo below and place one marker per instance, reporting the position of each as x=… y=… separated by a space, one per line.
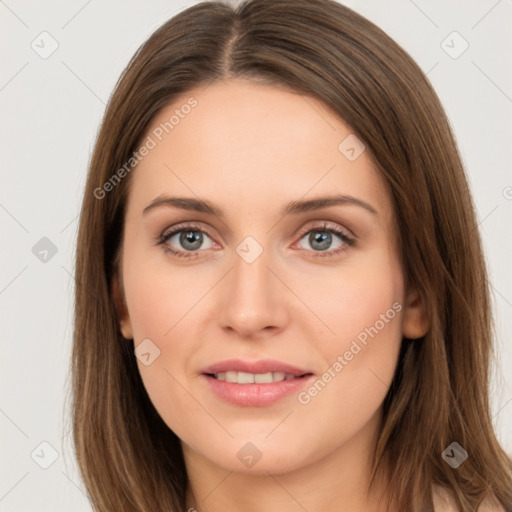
x=323 y=238
x=191 y=237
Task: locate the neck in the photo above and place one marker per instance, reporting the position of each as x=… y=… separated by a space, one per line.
x=337 y=481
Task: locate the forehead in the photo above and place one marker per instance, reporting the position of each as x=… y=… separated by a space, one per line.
x=254 y=145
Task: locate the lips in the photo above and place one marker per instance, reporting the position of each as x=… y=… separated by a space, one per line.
x=251 y=378
x=254 y=384
x=255 y=367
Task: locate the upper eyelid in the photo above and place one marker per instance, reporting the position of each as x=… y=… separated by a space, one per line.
x=190 y=226
x=327 y=225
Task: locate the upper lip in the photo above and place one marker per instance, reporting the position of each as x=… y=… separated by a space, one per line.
x=262 y=366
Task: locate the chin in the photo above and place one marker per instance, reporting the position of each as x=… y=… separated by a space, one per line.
x=260 y=458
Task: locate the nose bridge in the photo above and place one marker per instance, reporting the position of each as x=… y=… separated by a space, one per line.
x=250 y=279
x=250 y=274
x=250 y=298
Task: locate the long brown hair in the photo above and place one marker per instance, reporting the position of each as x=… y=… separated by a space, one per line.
x=129 y=459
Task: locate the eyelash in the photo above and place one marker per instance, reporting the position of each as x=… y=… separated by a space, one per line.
x=348 y=241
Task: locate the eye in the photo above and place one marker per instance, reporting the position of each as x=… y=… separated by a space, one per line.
x=320 y=239
x=185 y=241
x=188 y=238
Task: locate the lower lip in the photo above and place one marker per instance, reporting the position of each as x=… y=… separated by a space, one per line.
x=255 y=395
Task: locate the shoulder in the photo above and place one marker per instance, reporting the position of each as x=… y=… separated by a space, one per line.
x=489 y=505
x=444 y=502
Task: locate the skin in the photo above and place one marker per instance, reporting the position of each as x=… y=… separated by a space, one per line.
x=251 y=149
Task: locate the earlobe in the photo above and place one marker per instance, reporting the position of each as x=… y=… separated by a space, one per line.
x=122 y=311
x=415 y=320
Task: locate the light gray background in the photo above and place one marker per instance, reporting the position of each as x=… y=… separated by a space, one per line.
x=50 y=112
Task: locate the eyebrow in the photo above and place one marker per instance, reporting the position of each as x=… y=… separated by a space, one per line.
x=292 y=208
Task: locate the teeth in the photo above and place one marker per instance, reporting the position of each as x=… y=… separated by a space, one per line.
x=231 y=376
x=250 y=378
x=263 y=378
x=245 y=378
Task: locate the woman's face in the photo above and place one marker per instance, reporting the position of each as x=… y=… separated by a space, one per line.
x=261 y=289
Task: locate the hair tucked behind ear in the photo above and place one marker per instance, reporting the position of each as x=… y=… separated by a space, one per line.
x=128 y=457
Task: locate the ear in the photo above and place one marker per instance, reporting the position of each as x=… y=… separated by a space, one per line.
x=120 y=305
x=415 y=321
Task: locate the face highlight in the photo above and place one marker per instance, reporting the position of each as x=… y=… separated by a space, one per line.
x=250 y=236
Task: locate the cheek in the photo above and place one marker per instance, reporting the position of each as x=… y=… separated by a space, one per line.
x=348 y=395
x=360 y=302
x=364 y=309
x=161 y=298
x=360 y=360
x=164 y=304
x=359 y=313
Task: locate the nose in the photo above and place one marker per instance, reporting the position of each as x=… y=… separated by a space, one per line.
x=253 y=300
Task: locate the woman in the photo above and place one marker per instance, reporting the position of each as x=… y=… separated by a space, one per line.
x=282 y=302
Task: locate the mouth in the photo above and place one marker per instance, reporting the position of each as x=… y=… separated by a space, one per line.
x=254 y=384
x=249 y=372
x=255 y=378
